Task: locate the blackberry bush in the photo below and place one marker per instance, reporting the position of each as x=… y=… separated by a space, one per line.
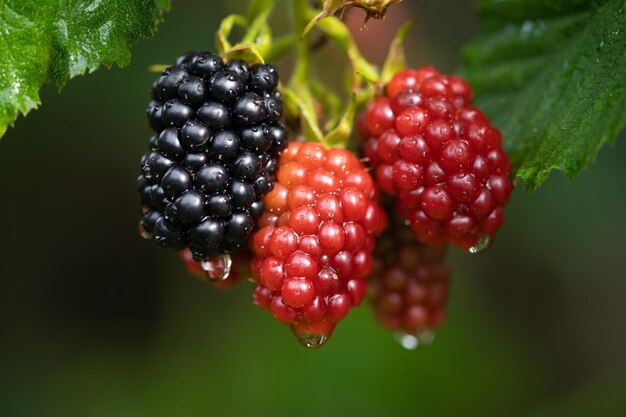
x=217 y=136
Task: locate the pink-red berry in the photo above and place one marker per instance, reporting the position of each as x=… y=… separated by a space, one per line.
x=409 y=284
x=313 y=247
x=439 y=156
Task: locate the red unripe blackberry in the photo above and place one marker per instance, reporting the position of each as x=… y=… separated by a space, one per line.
x=409 y=285
x=439 y=156
x=313 y=247
x=213 y=156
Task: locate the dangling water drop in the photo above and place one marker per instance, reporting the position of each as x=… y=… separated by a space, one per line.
x=311 y=341
x=425 y=337
x=313 y=335
x=217 y=269
x=413 y=341
x=481 y=245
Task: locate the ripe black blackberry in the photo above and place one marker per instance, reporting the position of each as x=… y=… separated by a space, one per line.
x=218 y=134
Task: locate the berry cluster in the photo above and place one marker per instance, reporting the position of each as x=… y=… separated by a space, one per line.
x=409 y=285
x=213 y=155
x=439 y=156
x=219 y=165
x=314 y=243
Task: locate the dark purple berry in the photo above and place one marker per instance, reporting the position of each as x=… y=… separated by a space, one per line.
x=256 y=210
x=263 y=184
x=206 y=64
x=220 y=205
x=141 y=183
x=278 y=137
x=176 y=181
x=215 y=115
x=195 y=136
x=168 y=143
x=149 y=220
x=226 y=87
x=155 y=111
x=211 y=178
x=240 y=68
x=224 y=146
x=255 y=139
x=165 y=237
x=195 y=160
x=175 y=113
x=249 y=110
x=271 y=166
x=146 y=196
x=243 y=194
x=263 y=77
x=207 y=234
x=152 y=142
x=191 y=91
x=214 y=155
x=189 y=207
x=185 y=59
x=156 y=165
x=158 y=197
x=167 y=85
x=238 y=228
x=246 y=167
x=273 y=108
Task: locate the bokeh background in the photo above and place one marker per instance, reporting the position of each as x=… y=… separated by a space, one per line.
x=95 y=321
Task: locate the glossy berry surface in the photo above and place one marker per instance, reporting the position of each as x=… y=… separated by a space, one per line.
x=440 y=157
x=314 y=242
x=218 y=135
x=240 y=268
x=409 y=285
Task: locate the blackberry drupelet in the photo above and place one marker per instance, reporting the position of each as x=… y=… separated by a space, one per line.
x=218 y=135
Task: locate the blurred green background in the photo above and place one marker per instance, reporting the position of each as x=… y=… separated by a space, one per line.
x=97 y=322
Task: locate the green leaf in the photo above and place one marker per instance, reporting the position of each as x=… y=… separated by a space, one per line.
x=551 y=74
x=396 y=58
x=54 y=40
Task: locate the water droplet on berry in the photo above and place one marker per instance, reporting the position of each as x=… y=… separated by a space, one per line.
x=413 y=341
x=311 y=341
x=217 y=269
x=481 y=245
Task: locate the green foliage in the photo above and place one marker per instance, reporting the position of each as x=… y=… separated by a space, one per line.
x=54 y=40
x=552 y=75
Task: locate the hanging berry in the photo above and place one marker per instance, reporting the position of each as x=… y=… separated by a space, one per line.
x=440 y=157
x=314 y=245
x=218 y=134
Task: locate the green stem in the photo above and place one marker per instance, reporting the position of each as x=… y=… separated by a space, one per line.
x=281 y=47
x=299 y=84
x=303 y=63
x=257 y=17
